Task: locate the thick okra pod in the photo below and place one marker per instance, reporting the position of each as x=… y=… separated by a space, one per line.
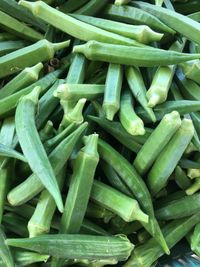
x=128 y=55
x=5 y=252
x=136 y=186
x=77 y=246
x=128 y=118
x=140 y=33
x=76 y=73
x=74 y=27
x=169 y=157
x=28 y=56
x=157 y=142
x=31 y=145
x=125 y=207
x=23 y=79
x=111 y=101
x=137 y=86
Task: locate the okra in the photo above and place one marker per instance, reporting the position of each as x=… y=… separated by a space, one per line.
x=111 y=101
x=179 y=208
x=28 y=56
x=6 y=151
x=181 y=178
x=71 y=6
x=134 y=16
x=92 y=7
x=15 y=27
x=76 y=73
x=128 y=118
x=195 y=238
x=121 y=2
x=25 y=78
x=91 y=228
x=15 y=224
x=31 y=145
x=74 y=27
x=98 y=212
x=140 y=33
x=129 y=55
x=169 y=157
x=24 y=258
x=191 y=70
x=7 y=47
x=157 y=142
x=5 y=36
x=137 y=86
x=194 y=187
x=77 y=246
x=5 y=252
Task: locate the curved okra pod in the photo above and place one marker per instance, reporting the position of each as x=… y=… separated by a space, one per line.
x=25 y=78
x=5 y=253
x=68 y=246
x=92 y=7
x=157 y=142
x=14 y=26
x=191 y=70
x=58 y=157
x=137 y=86
x=140 y=33
x=180 y=23
x=111 y=101
x=194 y=187
x=74 y=27
x=181 y=178
x=125 y=207
x=146 y=254
x=134 y=16
x=169 y=157
x=179 y=208
x=28 y=56
x=136 y=186
x=31 y=145
x=128 y=118
x=129 y=55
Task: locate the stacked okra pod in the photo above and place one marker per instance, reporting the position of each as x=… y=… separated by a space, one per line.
x=99 y=131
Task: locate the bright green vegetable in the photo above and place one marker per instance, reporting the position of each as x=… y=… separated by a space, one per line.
x=5 y=252
x=181 y=178
x=194 y=187
x=191 y=70
x=121 y=2
x=157 y=142
x=128 y=118
x=195 y=237
x=31 y=145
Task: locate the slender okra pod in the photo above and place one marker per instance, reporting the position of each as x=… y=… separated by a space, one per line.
x=157 y=142
x=146 y=254
x=181 y=178
x=128 y=118
x=191 y=70
x=25 y=78
x=7 y=47
x=74 y=27
x=5 y=252
x=169 y=157
x=134 y=16
x=14 y=26
x=31 y=145
x=129 y=55
x=140 y=33
x=28 y=56
x=195 y=237
x=92 y=7
x=125 y=207
x=24 y=258
x=77 y=246
x=137 y=86
x=180 y=23
x=46 y=132
x=111 y=101
x=194 y=187
x=179 y=208
x=136 y=186
x=58 y=157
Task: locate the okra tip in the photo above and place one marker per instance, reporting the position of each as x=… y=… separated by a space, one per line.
x=35 y=70
x=35 y=230
x=61 y=45
x=139 y=215
x=110 y=111
x=91 y=143
x=153 y=100
x=137 y=128
x=34 y=94
x=148 y=35
x=61 y=91
x=32 y=6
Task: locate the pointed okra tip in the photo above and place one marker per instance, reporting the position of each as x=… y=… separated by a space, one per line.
x=32 y=6
x=91 y=143
x=61 y=45
x=35 y=70
x=61 y=92
x=34 y=94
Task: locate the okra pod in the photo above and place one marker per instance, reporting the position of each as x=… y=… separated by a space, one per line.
x=6 y=151
x=28 y=56
x=92 y=7
x=169 y=157
x=24 y=258
x=181 y=178
x=195 y=237
x=191 y=70
x=129 y=55
x=157 y=142
x=7 y=47
x=5 y=252
x=194 y=187
x=71 y=6
x=98 y=212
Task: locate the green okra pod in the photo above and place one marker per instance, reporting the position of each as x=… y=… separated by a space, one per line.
x=71 y=6
x=15 y=224
x=25 y=78
x=6 y=151
x=191 y=70
x=194 y=187
x=128 y=118
x=140 y=33
x=76 y=73
x=88 y=227
x=169 y=157
x=5 y=36
x=24 y=258
x=31 y=145
x=92 y=7
x=5 y=252
x=7 y=47
x=77 y=246
x=195 y=237
x=189 y=89
x=111 y=101
x=28 y=56
x=181 y=178
x=74 y=27
x=137 y=86
x=157 y=142
x=98 y=212
x=129 y=55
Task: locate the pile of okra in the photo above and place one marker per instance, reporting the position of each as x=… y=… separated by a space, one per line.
x=99 y=131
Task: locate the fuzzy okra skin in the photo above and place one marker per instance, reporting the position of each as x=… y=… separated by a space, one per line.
x=28 y=56
x=32 y=147
x=74 y=27
x=157 y=142
x=169 y=157
x=77 y=246
x=129 y=55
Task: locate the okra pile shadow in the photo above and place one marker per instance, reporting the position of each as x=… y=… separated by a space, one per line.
x=99 y=133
